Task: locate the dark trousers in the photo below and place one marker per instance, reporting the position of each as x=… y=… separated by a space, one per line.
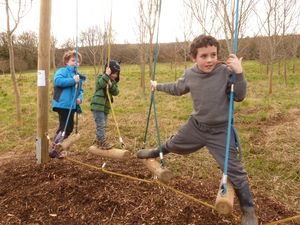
x=193 y=136
x=63 y=116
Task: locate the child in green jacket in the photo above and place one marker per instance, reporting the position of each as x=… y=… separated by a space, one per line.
x=100 y=105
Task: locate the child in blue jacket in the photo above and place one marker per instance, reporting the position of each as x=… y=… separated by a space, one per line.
x=68 y=95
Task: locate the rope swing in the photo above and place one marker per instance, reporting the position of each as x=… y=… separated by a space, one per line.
x=65 y=144
x=114 y=153
x=152 y=98
x=225 y=196
x=107 y=87
x=157 y=168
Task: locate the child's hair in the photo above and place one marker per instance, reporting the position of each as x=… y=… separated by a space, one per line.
x=202 y=41
x=69 y=54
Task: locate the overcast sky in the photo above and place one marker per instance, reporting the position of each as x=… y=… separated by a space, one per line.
x=124 y=19
x=95 y=12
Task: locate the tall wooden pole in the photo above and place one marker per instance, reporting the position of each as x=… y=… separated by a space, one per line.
x=42 y=140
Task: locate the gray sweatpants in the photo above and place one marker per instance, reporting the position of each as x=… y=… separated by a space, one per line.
x=192 y=136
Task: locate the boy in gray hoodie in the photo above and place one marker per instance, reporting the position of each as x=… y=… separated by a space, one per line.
x=208 y=81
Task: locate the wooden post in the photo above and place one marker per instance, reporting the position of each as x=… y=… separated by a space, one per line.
x=42 y=140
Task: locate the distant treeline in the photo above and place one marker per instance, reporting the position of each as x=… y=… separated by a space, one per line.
x=257 y=48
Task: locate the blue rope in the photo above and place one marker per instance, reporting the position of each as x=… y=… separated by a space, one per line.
x=231 y=107
x=70 y=109
x=76 y=85
x=236 y=27
x=76 y=33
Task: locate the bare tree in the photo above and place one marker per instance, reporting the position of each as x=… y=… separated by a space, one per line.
x=142 y=47
x=214 y=16
x=4 y=66
x=294 y=43
x=276 y=22
x=53 y=51
x=149 y=15
x=108 y=41
x=4 y=54
x=187 y=32
x=290 y=43
x=69 y=44
x=27 y=44
x=225 y=12
x=181 y=48
x=203 y=13
x=22 y=8
x=92 y=41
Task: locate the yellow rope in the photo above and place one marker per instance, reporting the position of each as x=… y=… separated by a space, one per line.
x=107 y=88
x=186 y=195
x=114 y=117
x=109 y=35
x=109 y=172
x=157 y=182
x=293 y=218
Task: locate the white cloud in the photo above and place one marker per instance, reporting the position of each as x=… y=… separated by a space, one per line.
x=97 y=12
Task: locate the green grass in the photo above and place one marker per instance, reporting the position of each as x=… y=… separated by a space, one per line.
x=267 y=124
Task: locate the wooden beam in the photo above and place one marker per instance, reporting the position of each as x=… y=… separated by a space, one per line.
x=163 y=174
x=113 y=153
x=224 y=202
x=68 y=142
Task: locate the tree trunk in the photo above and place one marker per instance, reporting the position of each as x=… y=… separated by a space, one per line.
x=53 y=58
x=142 y=66
x=270 y=79
x=294 y=66
x=12 y=66
x=14 y=80
x=150 y=60
x=285 y=72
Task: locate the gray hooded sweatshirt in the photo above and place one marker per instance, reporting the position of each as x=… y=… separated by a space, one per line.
x=209 y=92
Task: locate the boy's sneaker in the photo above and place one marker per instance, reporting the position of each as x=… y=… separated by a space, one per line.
x=104 y=144
x=55 y=154
x=147 y=153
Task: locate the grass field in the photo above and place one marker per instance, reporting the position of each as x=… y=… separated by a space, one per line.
x=268 y=125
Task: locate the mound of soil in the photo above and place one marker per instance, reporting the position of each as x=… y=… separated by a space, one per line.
x=66 y=192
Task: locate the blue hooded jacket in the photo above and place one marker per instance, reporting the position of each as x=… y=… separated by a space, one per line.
x=64 y=88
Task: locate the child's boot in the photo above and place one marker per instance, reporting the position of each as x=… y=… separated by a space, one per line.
x=54 y=153
x=152 y=153
x=247 y=206
x=104 y=144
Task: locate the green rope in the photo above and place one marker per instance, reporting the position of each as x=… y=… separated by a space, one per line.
x=152 y=102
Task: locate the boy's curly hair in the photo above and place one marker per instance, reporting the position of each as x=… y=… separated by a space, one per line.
x=70 y=54
x=202 y=41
